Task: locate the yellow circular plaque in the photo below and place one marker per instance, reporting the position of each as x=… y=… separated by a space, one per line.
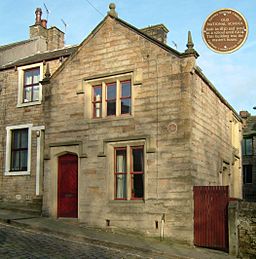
x=225 y=30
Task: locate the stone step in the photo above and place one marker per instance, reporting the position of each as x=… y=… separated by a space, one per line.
x=34 y=207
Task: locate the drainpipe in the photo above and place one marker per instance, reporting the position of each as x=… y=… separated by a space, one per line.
x=162 y=227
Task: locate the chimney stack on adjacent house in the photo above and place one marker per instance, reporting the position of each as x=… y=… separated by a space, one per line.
x=54 y=37
x=38 y=13
x=244 y=114
x=158 y=32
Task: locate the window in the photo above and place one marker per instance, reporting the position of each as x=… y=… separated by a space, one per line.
x=97 y=101
x=111 y=99
x=137 y=172
x=247 y=174
x=19 y=147
x=129 y=186
x=247 y=147
x=18 y=150
x=125 y=97
x=120 y=174
x=31 y=85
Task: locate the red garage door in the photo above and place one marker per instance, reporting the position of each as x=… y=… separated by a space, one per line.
x=211 y=216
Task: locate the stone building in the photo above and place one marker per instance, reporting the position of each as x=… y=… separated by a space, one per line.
x=138 y=124
x=126 y=126
x=249 y=156
x=22 y=66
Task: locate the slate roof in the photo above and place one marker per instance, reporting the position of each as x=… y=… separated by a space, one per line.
x=11 y=45
x=46 y=56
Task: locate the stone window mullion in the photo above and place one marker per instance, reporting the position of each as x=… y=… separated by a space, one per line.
x=118 y=95
x=104 y=109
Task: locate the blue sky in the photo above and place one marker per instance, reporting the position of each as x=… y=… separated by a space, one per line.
x=234 y=75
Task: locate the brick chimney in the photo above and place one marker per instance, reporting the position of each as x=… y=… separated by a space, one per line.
x=38 y=13
x=44 y=23
x=37 y=29
x=53 y=36
x=158 y=32
x=244 y=114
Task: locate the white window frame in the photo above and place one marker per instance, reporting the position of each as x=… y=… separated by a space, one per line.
x=21 y=71
x=89 y=84
x=8 y=149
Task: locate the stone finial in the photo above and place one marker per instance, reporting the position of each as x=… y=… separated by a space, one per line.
x=190 y=46
x=112 y=10
x=47 y=71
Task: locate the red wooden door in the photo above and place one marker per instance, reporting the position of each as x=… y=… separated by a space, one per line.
x=211 y=216
x=68 y=186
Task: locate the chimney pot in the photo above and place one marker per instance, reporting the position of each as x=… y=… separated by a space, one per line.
x=44 y=23
x=38 y=13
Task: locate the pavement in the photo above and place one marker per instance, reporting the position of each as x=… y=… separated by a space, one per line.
x=110 y=237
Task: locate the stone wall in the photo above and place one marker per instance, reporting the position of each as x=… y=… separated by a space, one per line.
x=215 y=135
x=19 y=191
x=242 y=229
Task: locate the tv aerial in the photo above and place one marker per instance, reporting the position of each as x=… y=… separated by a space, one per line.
x=47 y=11
x=65 y=24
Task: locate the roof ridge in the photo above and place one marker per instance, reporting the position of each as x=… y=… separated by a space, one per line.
x=13 y=44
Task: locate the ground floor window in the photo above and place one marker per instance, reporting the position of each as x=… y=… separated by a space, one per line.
x=18 y=150
x=129 y=172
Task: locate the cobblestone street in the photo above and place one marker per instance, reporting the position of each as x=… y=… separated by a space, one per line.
x=18 y=243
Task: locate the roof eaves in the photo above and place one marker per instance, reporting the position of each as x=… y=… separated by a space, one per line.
x=249 y=134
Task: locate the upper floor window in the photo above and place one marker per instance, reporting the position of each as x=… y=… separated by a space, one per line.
x=247 y=146
x=97 y=101
x=125 y=101
x=247 y=174
x=110 y=97
x=29 y=87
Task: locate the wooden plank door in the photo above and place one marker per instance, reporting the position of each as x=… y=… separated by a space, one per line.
x=211 y=216
x=68 y=186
